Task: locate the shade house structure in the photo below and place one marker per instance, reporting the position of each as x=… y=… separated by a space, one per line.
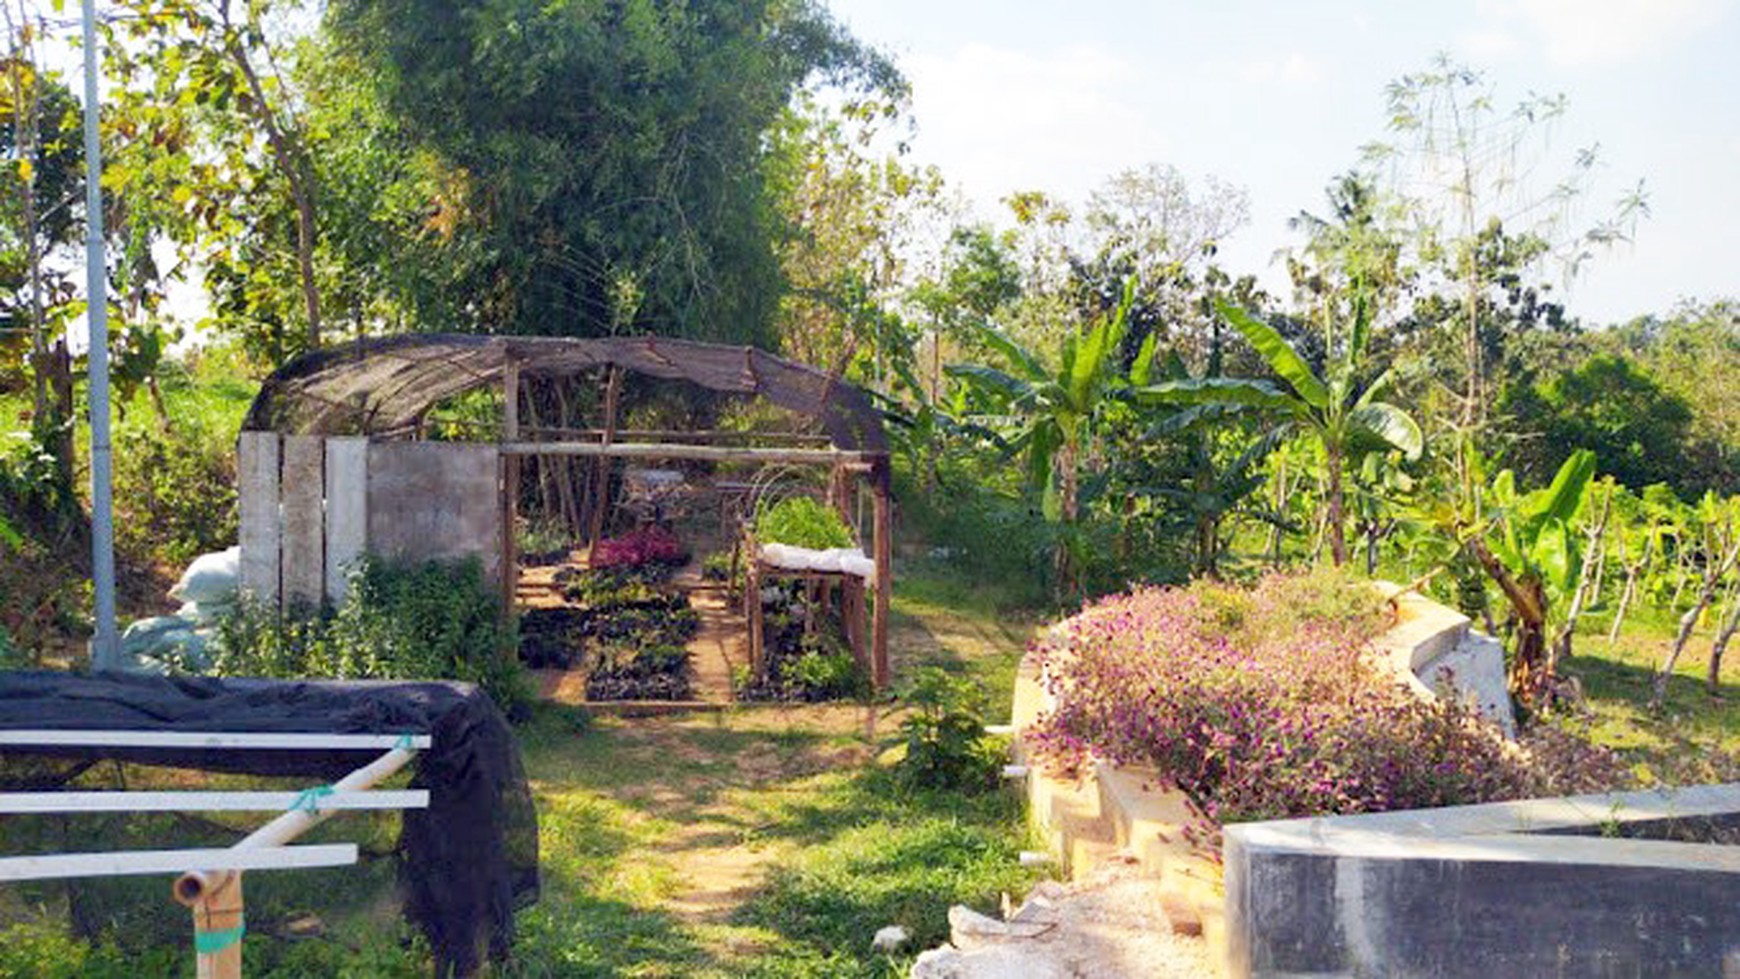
x=358 y=449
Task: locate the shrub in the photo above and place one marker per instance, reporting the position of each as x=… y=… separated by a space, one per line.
x=638 y=548
x=175 y=495
x=802 y=522
x=946 y=746
x=403 y=622
x=1262 y=704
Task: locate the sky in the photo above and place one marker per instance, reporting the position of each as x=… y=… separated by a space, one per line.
x=1277 y=97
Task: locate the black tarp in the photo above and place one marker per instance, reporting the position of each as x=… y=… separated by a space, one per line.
x=468 y=862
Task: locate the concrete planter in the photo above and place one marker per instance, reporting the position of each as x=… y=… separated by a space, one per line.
x=1110 y=813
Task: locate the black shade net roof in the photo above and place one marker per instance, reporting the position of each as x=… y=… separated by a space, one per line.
x=383 y=385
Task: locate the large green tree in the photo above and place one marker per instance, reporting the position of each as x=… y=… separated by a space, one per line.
x=607 y=158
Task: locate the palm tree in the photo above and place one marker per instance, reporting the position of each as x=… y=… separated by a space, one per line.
x=1343 y=415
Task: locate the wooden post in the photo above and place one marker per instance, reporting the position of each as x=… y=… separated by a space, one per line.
x=753 y=611
x=883 y=551
x=840 y=492
x=852 y=610
x=218 y=922
x=347 y=511
x=601 y=480
x=510 y=488
x=303 y=545
x=257 y=474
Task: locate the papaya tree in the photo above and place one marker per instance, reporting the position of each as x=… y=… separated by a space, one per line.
x=1340 y=411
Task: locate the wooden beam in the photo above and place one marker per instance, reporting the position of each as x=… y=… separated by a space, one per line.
x=510 y=493
x=203 y=739
x=853 y=461
x=882 y=549
x=347 y=511
x=257 y=513
x=124 y=863
x=20 y=802
x=303 y=545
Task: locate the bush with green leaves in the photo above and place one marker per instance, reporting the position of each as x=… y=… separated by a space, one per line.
x=175 y=495
x=403 y=622
x=802 y=522
x=946 y=744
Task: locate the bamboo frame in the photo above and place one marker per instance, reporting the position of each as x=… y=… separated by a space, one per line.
x=858 y=462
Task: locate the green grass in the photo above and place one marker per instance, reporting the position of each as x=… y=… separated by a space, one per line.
x=1686 y=739
x=761 y=842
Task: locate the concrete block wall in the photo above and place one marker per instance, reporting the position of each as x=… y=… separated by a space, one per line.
x=1537 y=888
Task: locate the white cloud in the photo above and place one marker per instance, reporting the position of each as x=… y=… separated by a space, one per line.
x=999 y=120
x=1293 y=69
x=1492 y=45
x=1588 y=32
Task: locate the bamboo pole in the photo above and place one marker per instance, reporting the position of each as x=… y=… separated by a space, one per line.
x=850 y=460
x=601 y=478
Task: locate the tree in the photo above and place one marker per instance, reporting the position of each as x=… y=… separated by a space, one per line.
x=40 y=190
x=1528 y=547
x=1486 y=222
x=1342 y=412
x=1719 y=553
x=1640 y=433
x=203 y=107
x=843 y=212
x=608 y=158
x=1049 y=415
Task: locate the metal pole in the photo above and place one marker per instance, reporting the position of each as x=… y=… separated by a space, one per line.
x=105 y=651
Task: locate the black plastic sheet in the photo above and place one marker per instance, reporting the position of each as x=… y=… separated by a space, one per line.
x=468 y=862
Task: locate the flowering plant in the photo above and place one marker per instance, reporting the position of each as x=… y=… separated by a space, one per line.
x=1259 y=705
x=648 y=545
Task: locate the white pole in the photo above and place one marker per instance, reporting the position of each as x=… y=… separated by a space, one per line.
x=105 y=649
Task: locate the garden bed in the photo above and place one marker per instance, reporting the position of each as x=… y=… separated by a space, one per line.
x=1151 y=719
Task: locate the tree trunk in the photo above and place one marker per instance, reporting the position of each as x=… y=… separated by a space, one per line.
x=1067 y=572
x=1730 y=625
x=1585 y=586
x=1713 y=574
x=1624 y=604
x=300 y=193
x=1337 y=533
x=1531 y=672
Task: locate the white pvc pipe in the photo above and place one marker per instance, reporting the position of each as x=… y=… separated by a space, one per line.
x=298 y=821
x=121 y=863
x=37 y=802
x=193 y=886
x=211 y=739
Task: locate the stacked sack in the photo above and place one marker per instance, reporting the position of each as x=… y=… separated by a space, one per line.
x=178 y=643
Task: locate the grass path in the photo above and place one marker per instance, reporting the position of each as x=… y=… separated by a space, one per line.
x=762 y=841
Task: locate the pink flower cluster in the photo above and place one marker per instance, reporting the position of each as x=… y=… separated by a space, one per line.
x=648 y=545
x=1259 y=706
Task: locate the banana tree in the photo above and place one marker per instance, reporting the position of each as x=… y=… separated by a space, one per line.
x=1343 y=415
x=1048 y=415
x=1529 y=547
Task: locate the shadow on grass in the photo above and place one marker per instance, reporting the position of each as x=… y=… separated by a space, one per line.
x=1674 y=741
